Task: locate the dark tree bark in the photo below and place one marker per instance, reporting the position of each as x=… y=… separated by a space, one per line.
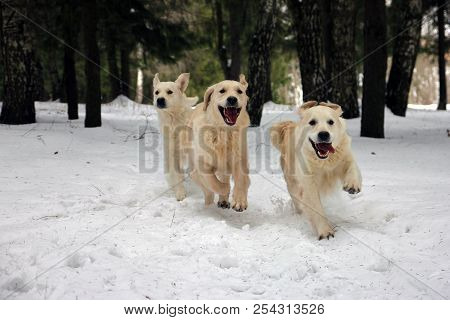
x=22 y=75
x=231 y=66
x=70 y=76
x=441 y=53
x=92 y=70
x=221 y=49
x=236 y=9
x=55 y=79
x=308 y=25
x=342 y=57
x=406 y=46
x=111 y=52
x=259 y=60
x=374 y=87
x=125 y=71
x=326 y=31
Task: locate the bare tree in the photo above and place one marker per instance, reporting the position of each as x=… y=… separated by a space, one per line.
x=259 y=60
x=374 y=87
x=342 y=57
x=92 y=63
x=22 y=72
x=441 y=53
x=230 y=56
x=70 y=76
x=308 y=26
x=406 y=46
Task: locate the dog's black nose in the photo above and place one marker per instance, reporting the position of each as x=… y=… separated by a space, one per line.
x=231 y=101
x=161 y=103
x=324 y=136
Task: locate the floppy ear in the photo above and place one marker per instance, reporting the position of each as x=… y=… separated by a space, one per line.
x=307 y=105
x=243 y=81
x=183 y=81
x=207 y=97
x=156 y=80
x=333 y=106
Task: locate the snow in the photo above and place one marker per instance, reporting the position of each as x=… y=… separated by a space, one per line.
x=79 y=221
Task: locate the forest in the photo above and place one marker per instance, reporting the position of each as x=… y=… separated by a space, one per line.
x=358 y=54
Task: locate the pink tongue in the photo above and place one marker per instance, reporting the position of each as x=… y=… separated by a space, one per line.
x=231 y=114
x=324 y=147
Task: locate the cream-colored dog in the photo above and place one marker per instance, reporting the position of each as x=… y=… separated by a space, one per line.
x=315 y=157
x=219 y=126
x=174 y=111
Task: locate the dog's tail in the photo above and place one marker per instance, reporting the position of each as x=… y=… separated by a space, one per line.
x=278 y=133
x=191 y=101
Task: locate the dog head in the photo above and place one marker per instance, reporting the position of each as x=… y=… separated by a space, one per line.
x=169 y=95
x=225 y=101
x=324 y=127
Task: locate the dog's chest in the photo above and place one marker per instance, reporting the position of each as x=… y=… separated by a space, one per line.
x=226 y=150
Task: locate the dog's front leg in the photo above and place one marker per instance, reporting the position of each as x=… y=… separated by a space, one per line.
x=173 y=168
x=223 y=199
x=240 y=190
x=352 y=181
x=307 y=200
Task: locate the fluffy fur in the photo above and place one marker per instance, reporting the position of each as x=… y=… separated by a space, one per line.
x=220 y=143
x=174 y=111
x=310 y=171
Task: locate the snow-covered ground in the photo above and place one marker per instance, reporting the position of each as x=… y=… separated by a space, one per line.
x=77 y=214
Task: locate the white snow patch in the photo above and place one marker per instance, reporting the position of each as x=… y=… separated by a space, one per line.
x=65 y=187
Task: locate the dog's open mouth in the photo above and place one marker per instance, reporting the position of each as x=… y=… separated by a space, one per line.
x=322 y=149
x=230 y=114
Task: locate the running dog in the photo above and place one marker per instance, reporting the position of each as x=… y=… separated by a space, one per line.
x=316 y=156
x=219 y=126
x=174 y=112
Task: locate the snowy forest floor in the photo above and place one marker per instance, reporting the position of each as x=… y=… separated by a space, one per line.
x=77 y=213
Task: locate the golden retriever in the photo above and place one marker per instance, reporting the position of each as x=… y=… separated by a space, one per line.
x=315 y=156
x=219 y=126
x=174 y=112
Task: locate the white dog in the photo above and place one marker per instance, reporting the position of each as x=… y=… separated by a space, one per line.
x=174 y=111
x=315 y=156
x=220 y=143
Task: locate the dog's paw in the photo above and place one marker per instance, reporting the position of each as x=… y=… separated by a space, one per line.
x=224 y=204
x=180 y=194
x=325 y=231
x=239 y=205
x=352 y=186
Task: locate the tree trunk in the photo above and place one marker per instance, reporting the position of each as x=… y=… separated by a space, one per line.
x=441 y=53
x=125 y=71
x=221 y=49
x=374 y=87
x=19 y=67
x=236 y=10
x=140 y=76
x=114 y=79
x=92 y=70
x=259 y=60
x=326 y=31
x=308 y=26
x=342 y=56
x=405 y=49
x=70 y=76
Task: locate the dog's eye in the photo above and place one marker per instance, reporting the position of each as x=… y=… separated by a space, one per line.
x=330 y=122
x=239 y=91
x=222 y=91
x=169 y=91
x=156 y=92
x=312 y=122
